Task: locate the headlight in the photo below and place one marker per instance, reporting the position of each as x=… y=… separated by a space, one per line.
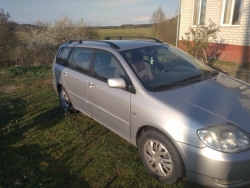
x=225 y=138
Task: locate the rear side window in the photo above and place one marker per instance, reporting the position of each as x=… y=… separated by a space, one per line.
x=62 y=56
x=80 y=59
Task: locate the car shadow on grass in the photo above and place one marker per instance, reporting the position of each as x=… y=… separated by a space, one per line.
x=48 y=118
x=11 y=110
x=25 y=163
x=29 y=166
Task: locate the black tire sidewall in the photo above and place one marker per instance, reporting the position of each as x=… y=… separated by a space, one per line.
x=69 y=110
x=178 y=167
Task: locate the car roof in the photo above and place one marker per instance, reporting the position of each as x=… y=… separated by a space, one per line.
x=119 y=45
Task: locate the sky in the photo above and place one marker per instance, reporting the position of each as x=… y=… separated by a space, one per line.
x=93 y=12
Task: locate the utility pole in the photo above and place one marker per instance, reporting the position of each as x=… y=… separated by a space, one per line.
x=178 y=24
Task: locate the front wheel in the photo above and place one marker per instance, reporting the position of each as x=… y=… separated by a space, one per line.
x=160 y=157
x=65 y=101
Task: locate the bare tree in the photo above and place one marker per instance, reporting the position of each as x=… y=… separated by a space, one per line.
x=158 y=21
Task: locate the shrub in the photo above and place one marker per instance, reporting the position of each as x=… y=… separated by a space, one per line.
x=198 y=39
x=8 y=39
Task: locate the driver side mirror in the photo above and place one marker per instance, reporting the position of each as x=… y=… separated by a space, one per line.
x=116 y=83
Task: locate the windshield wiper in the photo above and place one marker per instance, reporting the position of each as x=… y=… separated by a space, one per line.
x=193 y=78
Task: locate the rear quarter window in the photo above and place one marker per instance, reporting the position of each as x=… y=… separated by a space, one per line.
x=63 y=55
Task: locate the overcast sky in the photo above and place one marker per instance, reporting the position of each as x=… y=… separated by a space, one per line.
x=93 y=12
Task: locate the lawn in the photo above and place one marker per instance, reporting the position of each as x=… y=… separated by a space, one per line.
x=126 y=32
x=40 y=147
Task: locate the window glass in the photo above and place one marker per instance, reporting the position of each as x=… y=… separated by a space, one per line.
x=236 y=13
x=80 y=59
x=199 y=12
x=203 y=12
x=62 y=56
x=228 y=7
x=106 y=66
x=162 y=66
x=196 y=12
x=231 y=12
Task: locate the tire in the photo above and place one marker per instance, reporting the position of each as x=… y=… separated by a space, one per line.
x=167 y=165
x=65 y=101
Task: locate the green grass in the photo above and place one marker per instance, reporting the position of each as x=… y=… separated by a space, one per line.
x=225 y=63
x=229 y=68
x=126 y=32
x=40 y=147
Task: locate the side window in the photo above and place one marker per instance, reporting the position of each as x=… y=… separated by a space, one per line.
x=199 y=12
x=106 y=66
x=62 y=56
x=231 y=11
x=80 y=59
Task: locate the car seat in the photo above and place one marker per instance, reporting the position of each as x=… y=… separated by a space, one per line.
x=142 y=69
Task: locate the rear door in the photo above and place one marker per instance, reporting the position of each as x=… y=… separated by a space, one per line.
x=109 y=106
x=76 y=78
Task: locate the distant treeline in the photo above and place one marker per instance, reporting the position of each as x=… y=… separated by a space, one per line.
x=126 y=26
x=23 y=27
x=27 y=27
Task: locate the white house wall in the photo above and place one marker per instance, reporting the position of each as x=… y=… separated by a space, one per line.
x=235 y=39
x=236 y=35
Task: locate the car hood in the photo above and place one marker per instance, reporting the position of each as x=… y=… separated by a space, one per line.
x=221 y=99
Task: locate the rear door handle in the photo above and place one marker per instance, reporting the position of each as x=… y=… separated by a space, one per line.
x=91 y=85
x=66 y=74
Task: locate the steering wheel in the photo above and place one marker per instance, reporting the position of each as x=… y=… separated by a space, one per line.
x=166 y=68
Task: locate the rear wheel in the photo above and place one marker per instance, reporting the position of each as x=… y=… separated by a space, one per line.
x=65 y=101
x=160 y=157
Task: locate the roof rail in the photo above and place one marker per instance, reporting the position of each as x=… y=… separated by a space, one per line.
x=111 y=44
x=80 y=41
x=134 y=37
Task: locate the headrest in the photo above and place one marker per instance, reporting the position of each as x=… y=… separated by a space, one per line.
x=105 y=59
x=83 y=57
x=137 y=55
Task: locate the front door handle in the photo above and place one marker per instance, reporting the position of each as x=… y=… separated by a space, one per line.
x=91 y=85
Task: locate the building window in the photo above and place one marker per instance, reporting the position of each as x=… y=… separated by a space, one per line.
x=231 y=11
x=199 y=12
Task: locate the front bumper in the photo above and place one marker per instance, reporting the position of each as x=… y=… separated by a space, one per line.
x=213 y=168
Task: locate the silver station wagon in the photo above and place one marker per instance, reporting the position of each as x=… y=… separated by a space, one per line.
x=186 y=119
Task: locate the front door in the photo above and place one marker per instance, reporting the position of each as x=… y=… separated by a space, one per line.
x=109 y=106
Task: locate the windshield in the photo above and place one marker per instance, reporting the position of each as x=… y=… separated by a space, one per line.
x=163 y=66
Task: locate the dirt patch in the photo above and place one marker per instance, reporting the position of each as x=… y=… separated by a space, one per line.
x=43 y=82
x=8 y=89
x=49 y=82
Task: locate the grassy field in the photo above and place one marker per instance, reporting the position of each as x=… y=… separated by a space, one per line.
x=126 y=32
x=40 y=147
